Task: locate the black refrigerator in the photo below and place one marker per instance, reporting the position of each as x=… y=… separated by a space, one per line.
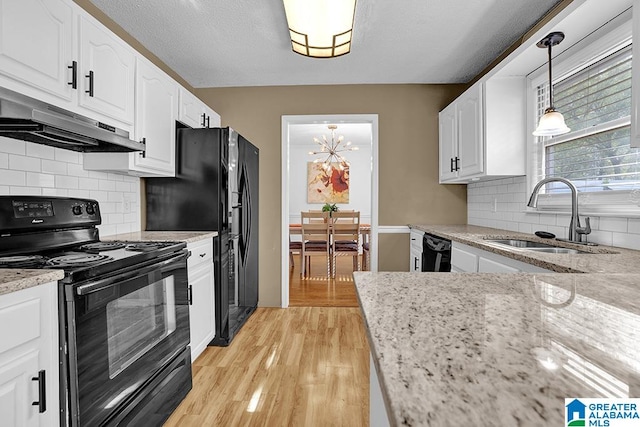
x=215 y=189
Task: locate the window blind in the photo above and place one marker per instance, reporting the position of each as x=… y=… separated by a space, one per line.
x=596 y=104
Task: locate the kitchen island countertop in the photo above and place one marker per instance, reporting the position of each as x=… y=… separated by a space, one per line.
x=499 y=349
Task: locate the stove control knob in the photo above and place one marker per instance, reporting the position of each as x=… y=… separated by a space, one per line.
x=77 y=210
x=90 y=209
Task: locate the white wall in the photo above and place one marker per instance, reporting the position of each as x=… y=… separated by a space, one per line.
x=359 y=173
x=34 y=169
x=510 y=197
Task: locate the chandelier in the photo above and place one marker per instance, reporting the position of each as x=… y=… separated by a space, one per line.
x=331 y=150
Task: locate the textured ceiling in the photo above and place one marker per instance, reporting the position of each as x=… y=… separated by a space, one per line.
x=216 y=43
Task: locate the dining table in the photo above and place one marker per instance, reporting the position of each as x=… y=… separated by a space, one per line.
x=365 y=231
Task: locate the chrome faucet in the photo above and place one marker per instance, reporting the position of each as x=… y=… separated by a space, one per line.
x=575 y=230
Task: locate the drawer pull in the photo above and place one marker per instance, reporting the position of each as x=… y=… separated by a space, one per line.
x=42 y=391
x=202 y=255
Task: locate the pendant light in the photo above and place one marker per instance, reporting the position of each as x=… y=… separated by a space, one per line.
x=552 y=122
x=320 y=28
x=331 y=150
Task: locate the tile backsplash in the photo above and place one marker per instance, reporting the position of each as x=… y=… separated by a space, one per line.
x=502 y=203
x=34 y=169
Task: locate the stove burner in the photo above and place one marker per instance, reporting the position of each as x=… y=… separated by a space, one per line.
x=101 y=247
x=77 y=260
x=144 y=246
x=22 y=261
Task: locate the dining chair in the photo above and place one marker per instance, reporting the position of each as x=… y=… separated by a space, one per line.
x=345 y=234
x=366 y=256
x=315 y=240
x=295 y=247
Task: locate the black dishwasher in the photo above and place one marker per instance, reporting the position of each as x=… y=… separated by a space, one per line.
x=436 y=253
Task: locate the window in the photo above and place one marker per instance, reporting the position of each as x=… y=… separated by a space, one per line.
x=594 y=95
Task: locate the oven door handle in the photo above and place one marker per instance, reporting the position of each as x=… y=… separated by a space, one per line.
x=119 y=278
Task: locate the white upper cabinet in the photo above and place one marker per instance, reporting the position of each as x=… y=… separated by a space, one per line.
x=470 y=136
x=36 y=47
x=54 y=51
x=195 y=113
x=448 y=143
x=213 y=118
x=191 y=111
x=483 y=132
x=156 y=106
x=106 y=72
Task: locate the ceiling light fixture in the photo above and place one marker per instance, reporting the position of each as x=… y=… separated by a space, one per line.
x=320 y=28
x=332 y=150
x=552 y=122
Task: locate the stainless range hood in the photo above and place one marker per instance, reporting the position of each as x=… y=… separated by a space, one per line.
x=25 y=118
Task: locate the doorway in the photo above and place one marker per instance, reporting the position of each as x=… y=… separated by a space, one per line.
x=297 y=140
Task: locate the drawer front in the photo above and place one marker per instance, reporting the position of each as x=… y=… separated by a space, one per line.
x=201 y=252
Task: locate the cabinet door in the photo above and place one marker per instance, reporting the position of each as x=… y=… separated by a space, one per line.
x=156 y=106
x=110 y=88
x=191 y=111
x=18 y=391
x=415 y=250
x=36 y=45
x=201 y=308
x=28 y=347
x=470 y=132
x=213 y=118
x=448 y=143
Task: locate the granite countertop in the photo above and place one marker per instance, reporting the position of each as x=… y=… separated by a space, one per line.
x=163 y=236
x=12 y=280
x=501 y=349
x=599 y=259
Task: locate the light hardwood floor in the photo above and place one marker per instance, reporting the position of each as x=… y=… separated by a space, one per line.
x=300 y=366
x=318 y=290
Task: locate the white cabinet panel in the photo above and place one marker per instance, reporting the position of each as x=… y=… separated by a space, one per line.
x=448 y=143
x=415 y=250
x=156 y=100
x=470 y=259
x=191 y=110
x=201 y=296
x=470 y=159
x=29 y=347
x=490 y=266
x=463 y=258
x=195 y=113
x=107 y=72
x=36 y=46
x=483 y=132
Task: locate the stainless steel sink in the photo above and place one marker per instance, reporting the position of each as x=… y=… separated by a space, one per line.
x=521 y=243
x=555 y=250
x=533 y=246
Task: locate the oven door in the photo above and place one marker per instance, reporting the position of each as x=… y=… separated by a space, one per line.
x=122 y=330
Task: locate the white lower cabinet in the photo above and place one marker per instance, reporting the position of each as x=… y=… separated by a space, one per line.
x=467 y=259
x=415 y=250
x=29 y=392
x=201 y=295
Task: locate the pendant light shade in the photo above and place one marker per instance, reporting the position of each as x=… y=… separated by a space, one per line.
x=320 y=28
x=552 y=122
